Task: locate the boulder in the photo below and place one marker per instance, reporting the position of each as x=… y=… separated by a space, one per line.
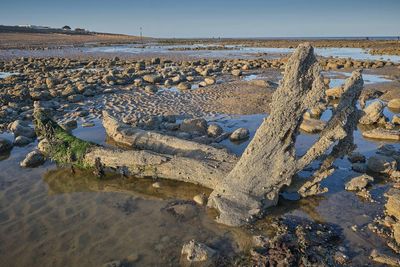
x=194 y=126
x=184 y=86
x=373 y=112
x=33 y=159
x=359 y=183
x=356 y=157
x=214 y=130
x=5 y=145
x=335 y=92
x=393 y=203
x=22 y=141
x=394 y=104
x=381 y=164
x=151 y=89
x=236 y=72
x=197 y=252
x=152 y=78
x=21 y=128
x=209 y=81
x=240 y=134
x=310 y=125
x=43 y=146
x=396 y=120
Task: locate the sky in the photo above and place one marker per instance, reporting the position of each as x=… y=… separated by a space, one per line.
x=212 y=18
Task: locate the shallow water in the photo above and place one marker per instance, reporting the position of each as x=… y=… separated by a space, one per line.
x=5 y=74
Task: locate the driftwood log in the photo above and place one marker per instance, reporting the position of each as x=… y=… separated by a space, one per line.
x=242 y=188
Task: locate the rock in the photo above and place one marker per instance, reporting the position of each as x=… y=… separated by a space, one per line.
x=382 y=134
x=236 y=72
x=396 y=232
x=197 y=252
x=214 y=130
x=209 y=81
x=69 y=90
x=396 y=120
x=44 y=146
x=356 y=157
x=156 y=185
x=373 y=112
x=393 y=203
x=384 y=259
x=310 y=125
x=152 y=78
x=5 y=145
x=335 y=92
x=194 y=126
x=87 y=124
x=19 y=127
x=200 y=199
x=184 y=86
x=33 y=159
x=381 y=164
x=359 y=167
x=239 y=134
x=69 y=125
x=22 y=141
x=359 y=183
x=151 y=89
x=75 y=98
x=394 y=104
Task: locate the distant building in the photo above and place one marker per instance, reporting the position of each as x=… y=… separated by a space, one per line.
x=79 y=30
x=66 y=28
x=34 y=27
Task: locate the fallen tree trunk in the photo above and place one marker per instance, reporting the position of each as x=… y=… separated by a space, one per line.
x=65 y=148
x=269 y=162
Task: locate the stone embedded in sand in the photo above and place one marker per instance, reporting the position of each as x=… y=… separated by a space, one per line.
x=394 y=103
x=33 y=159
x=381 y=164
x=236 y=72
x=152 y=78
x=184 y=86
x=209 y=81
x=151 y=89
x=359 y=183
x=310 y=125
x=373 y=112
x=197 y=252
x=383 y=134
x=239 y=134
x=5 y=145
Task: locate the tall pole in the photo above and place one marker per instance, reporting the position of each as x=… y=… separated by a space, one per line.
x=141 y=37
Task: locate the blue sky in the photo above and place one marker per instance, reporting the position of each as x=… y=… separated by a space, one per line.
x=212 y=18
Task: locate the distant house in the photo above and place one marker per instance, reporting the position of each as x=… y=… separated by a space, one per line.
x=79 y=30
x=34 y=27
x=66 y=28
